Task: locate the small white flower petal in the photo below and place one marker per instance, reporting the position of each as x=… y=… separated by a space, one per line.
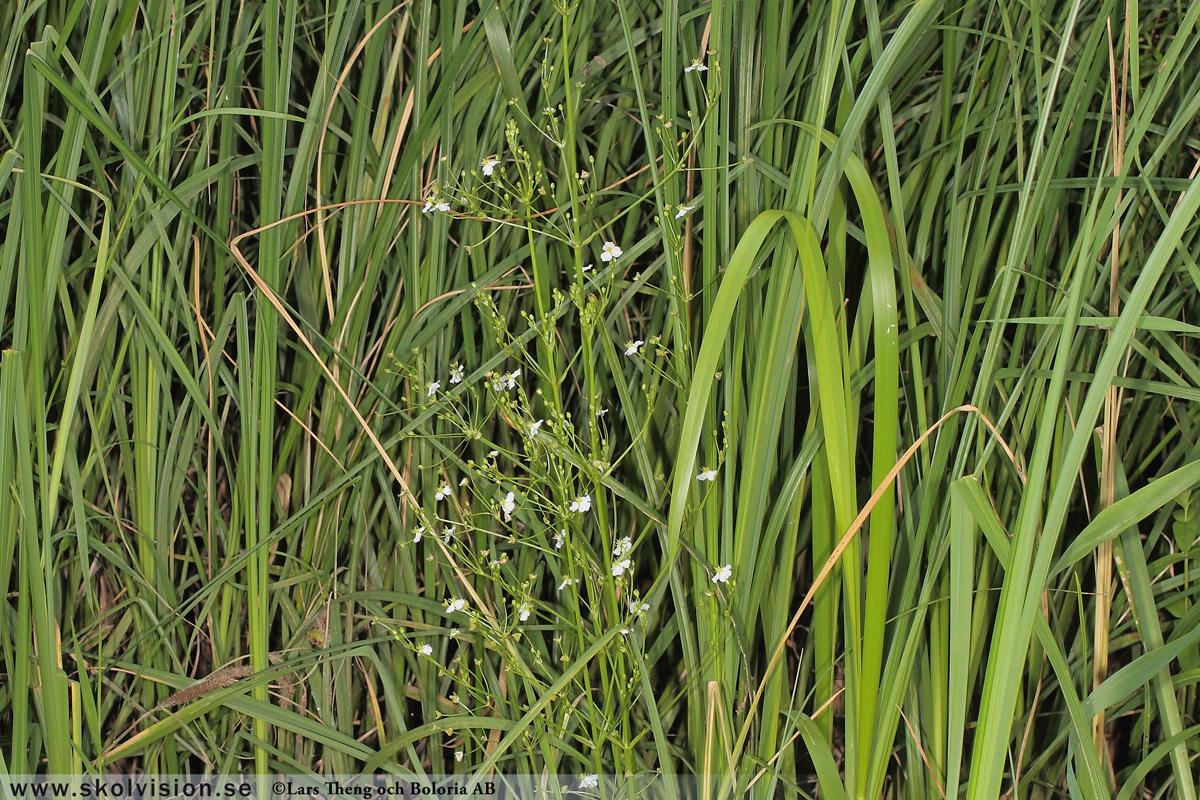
x=683 y=211
x=433 y=388
x=457 y=371
x=426 y=650
x=610 y=251
x=533 y=428
x=723 y=574
x=707 y=475
x=455 y=604
x=508 y=506
x=619 y=567
x=631 y=348
x=582 y=504
x=488 y=165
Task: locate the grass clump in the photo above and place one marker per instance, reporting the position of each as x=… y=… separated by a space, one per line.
x=793 y=399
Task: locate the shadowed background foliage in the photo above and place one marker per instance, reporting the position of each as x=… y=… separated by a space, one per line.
x=311 y=326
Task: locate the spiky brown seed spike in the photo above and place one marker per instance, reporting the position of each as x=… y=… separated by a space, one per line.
x=220 y=679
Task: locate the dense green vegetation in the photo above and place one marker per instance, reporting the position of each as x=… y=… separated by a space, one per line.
x=795 y=395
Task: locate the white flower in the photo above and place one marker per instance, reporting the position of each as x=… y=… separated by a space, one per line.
x=683 y=211
x=602 y=412
x=457 y=371
x=488 y=164
x=509 y=504
x=696 y=67
x=434 y=204
x=533 y=429
x=559 y=537
x=444 y=492
x=625 y=631
x=448 y=534
x=623 y=546
x=418 y=533
x=638 y=608
x=454 y=633
x=426 y=650
x=506 y=381
x=582 y=504
x=567 y=582
x=433 y=387
x=458 y=755
x=428 y=205
x=707 y=475
x=588 y=268
x=442 y=206
x=619 y=567
x=723 y=574
x=610 y=251
x=631 y=348
x=463 y=482
x=589 y=781
x=456 y=604
x=524 y=610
